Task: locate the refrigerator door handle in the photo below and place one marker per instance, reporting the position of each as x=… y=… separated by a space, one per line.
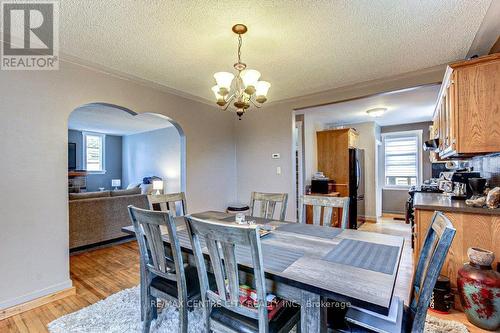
x=358 y=174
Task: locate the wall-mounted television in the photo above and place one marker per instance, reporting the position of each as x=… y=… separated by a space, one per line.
x=71 y=156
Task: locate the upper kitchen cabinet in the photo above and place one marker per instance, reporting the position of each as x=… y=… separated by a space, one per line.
x=467 y=115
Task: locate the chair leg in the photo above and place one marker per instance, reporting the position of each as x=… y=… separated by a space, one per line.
x=183 y=318
x=148 y=318
x=153 y=302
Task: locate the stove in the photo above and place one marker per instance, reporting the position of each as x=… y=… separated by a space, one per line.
x=410 y=212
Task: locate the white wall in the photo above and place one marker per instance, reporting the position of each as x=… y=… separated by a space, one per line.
x=34 y=110
x=153 y=153
x=269 y=130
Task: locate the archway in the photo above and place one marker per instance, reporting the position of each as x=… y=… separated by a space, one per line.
x=114 y=154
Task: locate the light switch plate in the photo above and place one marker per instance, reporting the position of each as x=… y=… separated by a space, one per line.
x=275 y=155
x=278 y=170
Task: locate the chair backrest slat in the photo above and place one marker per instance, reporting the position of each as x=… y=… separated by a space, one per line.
x=268 y=203
x=222 y=239
x=326 y=204
x=432 y=256
x=153 y=252
x=168 y=202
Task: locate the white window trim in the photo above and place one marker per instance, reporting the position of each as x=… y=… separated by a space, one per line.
x=84 y=150
x=418 y=133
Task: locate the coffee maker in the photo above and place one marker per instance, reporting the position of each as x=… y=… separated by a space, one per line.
x=461 y=186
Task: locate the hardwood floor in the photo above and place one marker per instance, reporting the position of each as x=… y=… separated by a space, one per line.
x=96 y=275
x=99 y=273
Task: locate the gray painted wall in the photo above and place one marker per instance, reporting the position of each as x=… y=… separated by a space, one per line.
x=154 y=153
x=393 y=200
x=113 y=163
x=35 y=106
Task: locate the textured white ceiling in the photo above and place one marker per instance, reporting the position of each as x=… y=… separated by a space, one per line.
x=403 y=107
x=301 y=47
x=113 y=121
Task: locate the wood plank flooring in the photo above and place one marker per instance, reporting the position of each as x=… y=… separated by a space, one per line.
x=100 y=273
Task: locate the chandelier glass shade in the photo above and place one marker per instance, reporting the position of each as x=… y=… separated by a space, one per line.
x=242 y=90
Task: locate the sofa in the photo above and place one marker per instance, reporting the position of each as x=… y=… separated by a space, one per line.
x=97 y=217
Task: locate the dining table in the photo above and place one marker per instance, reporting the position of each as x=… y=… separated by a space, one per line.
x=308 y=264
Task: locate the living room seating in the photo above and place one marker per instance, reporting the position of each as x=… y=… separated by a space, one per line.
x=96 y=217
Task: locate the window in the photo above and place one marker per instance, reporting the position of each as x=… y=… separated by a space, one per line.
x=402 y=158
x=93 y=153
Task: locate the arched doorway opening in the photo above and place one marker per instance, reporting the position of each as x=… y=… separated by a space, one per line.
x=115 y=158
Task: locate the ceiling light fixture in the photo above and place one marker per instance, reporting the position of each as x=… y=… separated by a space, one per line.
x=245 y=89
x=376 y=112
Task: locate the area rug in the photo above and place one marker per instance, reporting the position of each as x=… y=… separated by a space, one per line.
x=121 y=313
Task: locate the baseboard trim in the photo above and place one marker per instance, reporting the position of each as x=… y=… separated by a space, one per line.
x=20 y=308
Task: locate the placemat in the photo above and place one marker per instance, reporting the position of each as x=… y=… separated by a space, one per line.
x=310 y=230
x=374 y=257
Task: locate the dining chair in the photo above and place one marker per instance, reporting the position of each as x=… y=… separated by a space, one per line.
x=163 y=276
x=325 y=204
x=168 y=202
x=222 y=309
x=435 y=248
x=268 y=203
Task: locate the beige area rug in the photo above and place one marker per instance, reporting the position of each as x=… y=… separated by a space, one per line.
x=120 y=312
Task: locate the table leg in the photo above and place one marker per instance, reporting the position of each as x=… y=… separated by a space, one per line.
x=312 y=315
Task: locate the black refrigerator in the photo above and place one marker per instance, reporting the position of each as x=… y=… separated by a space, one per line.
x=356 y=187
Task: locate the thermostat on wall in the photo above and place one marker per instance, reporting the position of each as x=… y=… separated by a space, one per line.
x=275 y=155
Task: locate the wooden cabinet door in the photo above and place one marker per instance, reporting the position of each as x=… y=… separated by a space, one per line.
x=478 y=90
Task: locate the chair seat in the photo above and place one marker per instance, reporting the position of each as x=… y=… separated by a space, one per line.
x=287 y=316
x=170 y=287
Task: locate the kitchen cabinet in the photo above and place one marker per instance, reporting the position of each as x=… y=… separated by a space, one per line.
x=467 y=115
x=333 y=156
x=472 y=230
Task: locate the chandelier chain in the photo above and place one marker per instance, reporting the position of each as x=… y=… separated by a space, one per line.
x=239 y=48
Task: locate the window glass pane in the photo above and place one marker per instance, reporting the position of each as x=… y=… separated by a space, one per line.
x=94 y=152
x=401 y=160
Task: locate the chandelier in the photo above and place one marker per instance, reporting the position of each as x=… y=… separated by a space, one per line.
x=244 y=90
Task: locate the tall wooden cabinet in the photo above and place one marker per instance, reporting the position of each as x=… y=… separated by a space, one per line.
x=467 y=115
x=333 y=156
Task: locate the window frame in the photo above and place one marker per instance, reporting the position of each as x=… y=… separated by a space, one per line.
x=103 y=152
x=418 y=134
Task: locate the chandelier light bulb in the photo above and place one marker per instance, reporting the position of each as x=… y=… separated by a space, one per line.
x=224 y=80
x=250 y=77
x=261 y=91
x=219 y=97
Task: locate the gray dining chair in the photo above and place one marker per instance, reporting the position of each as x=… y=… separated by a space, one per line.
x=268 y=203
x=435 y=248
x=229 y=315
x=169 y=202
x=325 y=204
x=163 y=273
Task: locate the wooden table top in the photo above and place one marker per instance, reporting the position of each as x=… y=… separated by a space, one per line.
x=345 y=265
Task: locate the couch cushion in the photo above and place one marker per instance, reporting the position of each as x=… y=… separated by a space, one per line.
x=146 y=188
x=88 y=195
x=133 y=185
x=119 y=193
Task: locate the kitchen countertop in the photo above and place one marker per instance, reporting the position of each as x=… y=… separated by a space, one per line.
x=442 y=202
